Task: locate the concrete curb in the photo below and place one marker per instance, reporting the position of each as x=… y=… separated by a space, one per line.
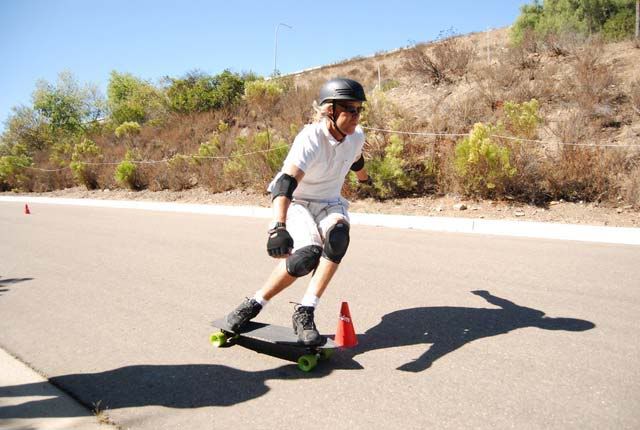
x=29 y=401
x=540 y=230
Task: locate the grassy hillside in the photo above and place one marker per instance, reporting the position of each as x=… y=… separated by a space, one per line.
x=469 y=115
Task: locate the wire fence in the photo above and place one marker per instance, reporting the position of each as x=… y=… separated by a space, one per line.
x=373 y=129
x=163 y=160
x=519 y=139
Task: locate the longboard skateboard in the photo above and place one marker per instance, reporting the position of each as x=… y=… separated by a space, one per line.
x=282 y=338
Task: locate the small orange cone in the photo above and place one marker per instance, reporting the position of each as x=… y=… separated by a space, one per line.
x=345 y=334
x=26 y=209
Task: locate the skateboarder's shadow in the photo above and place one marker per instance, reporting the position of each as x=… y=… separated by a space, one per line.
x=449 y=328
x=181 y=386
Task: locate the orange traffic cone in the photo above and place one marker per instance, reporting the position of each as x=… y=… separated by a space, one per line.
x=26 y=209
x=345 y=334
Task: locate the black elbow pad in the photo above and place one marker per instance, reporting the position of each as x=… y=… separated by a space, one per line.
x=358 y=165
x=284 y=186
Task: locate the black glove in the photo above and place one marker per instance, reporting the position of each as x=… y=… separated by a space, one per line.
x=280 y=242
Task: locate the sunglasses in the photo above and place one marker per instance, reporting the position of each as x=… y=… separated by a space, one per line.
x=353 y=110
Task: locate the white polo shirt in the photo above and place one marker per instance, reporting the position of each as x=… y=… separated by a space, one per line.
x=324 y=160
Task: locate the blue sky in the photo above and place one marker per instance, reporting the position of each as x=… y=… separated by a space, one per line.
x=156 y=38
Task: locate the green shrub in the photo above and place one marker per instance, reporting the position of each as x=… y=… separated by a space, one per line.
x=61 y=152
x=85 y=152
x=127 y=173
x=132 y=99
x=527 y=22
x=127 y=128
x=614 y=18
x=29 y=127
x=182 y=176
x=255 y=159
x=482 y=165
x=213 y=147
x=198 y=92
x=229 y=89
x=210 y=148
x=389 y=173
x=263 y=93
x=389 y=85
x=67 y=106
x=620 y=26
x=522 y=119
x=222 y=127
x=294 y=129
x=13 y=166
x=379 y=111
x=235 y=167
x=276 y=150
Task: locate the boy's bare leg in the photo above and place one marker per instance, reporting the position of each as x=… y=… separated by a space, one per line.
x=320 y=280
x=277 y=281
x=303 y=317
x=281 y=279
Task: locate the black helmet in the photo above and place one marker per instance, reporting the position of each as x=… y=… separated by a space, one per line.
x=342 y=89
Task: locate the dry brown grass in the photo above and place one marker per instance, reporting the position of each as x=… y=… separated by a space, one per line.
x=464 y=110
x=584 y=173
x=573 y=127
x=527 y=184
x=515 y=75
x=634 y=95
x=632 y=187
x=593 y=79
x=587 y=91
x=443 y=62
x=580 y=169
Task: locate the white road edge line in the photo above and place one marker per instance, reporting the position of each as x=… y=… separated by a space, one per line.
x=540 y=230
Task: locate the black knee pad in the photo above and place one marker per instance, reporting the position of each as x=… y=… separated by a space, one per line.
x=304 y=260
x=336 y=242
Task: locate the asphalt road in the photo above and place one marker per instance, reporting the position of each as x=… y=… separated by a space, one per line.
x=455 y=331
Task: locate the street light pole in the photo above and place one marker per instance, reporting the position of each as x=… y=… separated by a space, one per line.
x=275 y=51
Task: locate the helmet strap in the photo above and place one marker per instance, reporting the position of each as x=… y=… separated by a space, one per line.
x=334 y=120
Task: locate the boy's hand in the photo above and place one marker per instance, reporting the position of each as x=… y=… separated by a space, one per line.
x=280 y=242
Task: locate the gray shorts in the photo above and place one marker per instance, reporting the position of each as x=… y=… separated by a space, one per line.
x=307 y=221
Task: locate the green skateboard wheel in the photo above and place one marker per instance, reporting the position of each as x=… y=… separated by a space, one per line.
x=306 y=363
x=218 y=339
x=326 y=354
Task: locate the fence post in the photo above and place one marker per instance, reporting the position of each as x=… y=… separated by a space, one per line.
x=637 y=19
